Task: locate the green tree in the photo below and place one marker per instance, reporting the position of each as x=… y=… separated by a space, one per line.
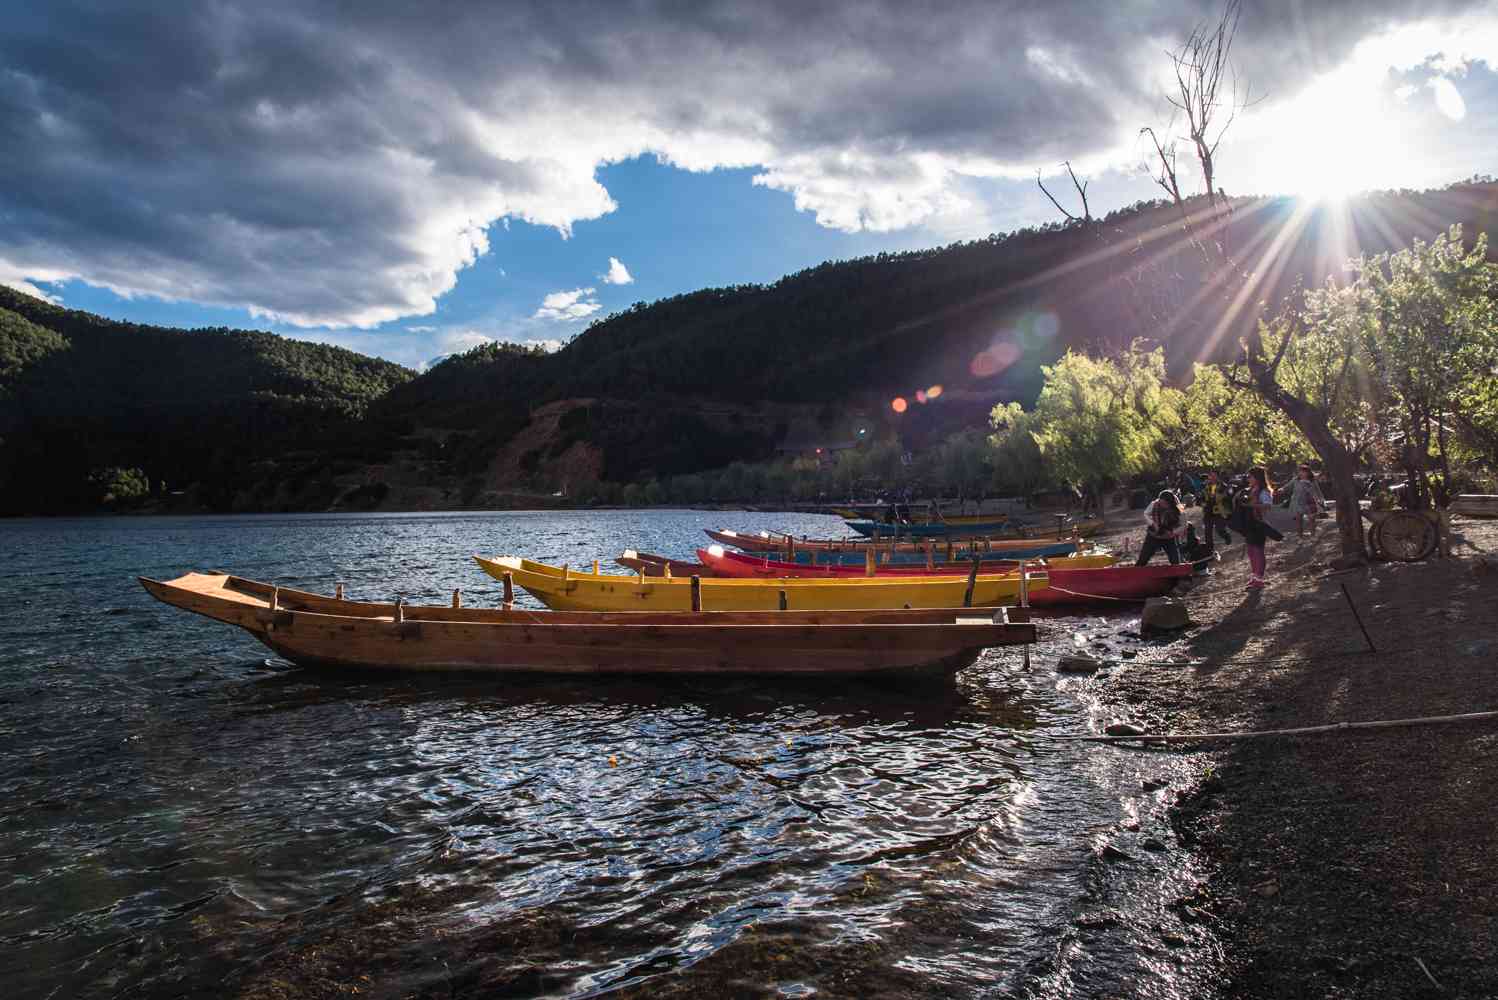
x=1099 y=419
x=1018 y=466
x=1225 y=428
x=120 y=487
x=1431 y=335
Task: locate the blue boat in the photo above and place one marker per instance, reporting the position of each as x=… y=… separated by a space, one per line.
x=940 y=529
x=835 y=557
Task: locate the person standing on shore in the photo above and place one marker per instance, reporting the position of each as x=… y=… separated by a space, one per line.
x=1251 y=506
x=1164 y=529
x=1307 y=501
x=1217 y=507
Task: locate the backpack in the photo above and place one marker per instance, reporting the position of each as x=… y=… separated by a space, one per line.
x=1242 y=519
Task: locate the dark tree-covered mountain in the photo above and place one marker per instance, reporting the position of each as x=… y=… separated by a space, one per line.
x=684 y=384
x=80 y=395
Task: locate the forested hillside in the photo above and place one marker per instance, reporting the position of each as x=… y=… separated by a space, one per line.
x=83 y=397
x=254 y=421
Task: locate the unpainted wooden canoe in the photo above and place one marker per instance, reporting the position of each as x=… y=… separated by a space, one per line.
x=566 y=590
x=317 y=631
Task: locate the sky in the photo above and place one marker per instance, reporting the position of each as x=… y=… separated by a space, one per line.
x=411 y=180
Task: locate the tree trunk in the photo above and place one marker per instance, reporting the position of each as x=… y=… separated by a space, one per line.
x=1340 y=466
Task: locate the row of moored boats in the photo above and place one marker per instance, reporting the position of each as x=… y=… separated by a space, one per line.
x=751 y=603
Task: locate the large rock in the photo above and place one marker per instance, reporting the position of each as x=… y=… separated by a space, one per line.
x=1163 y=614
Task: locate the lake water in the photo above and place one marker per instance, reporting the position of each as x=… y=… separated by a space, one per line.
x=182 y=815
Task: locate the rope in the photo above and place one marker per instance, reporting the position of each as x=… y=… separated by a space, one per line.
x=1207 y=663
x=1428 y=720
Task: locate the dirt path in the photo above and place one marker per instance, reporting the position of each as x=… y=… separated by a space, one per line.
x=1356 y=864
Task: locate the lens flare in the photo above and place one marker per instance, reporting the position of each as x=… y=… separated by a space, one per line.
x=898 y=404
x=994 y=360
x=920 y=395
x=933 y=392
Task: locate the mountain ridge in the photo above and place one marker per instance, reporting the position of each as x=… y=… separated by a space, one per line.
x=687 y=383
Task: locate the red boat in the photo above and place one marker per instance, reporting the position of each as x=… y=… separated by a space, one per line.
x=1081 y=585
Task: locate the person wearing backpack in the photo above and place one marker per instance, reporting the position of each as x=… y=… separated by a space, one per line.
x=1217 y=508
x=1248 y=520
x=1164 y=529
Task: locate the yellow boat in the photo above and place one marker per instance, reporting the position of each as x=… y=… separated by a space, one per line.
x=563 y=589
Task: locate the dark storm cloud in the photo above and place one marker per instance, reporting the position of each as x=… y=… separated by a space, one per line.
x=338 y=163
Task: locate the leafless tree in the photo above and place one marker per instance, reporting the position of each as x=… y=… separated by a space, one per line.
x=1166 y=154
x=1081 y=186
x=1207 y=89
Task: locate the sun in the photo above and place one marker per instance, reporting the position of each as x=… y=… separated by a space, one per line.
x=1334 y=139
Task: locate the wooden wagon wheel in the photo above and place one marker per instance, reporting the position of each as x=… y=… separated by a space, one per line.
x=1405 y=536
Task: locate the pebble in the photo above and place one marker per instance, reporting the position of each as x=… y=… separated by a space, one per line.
x=1267 y=889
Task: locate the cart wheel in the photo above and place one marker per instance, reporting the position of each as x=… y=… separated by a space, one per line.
x=1406 y=536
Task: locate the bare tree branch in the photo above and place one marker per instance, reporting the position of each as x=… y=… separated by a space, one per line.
x=1167 y=177
x=1081 y=187
x=1207 y=87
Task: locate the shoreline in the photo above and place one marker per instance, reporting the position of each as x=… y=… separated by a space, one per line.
x=1355 y=863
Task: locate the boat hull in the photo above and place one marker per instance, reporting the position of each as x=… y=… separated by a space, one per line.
x=723 y=563
x=766 y=542
x=565 y=591
x=315 y=631
x=1114 y=583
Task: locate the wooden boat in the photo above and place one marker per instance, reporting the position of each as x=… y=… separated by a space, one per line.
x=316 y=631
x=1475 y=505
x=654 y=565
x=1109 y=583
x=956 y=528
x=560 y=588
x=742 y=565
x=764 y=541
x=919 y=557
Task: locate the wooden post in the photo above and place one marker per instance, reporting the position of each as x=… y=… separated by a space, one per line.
x=1024 y=602
x=509 y=601
x=790 y=547
x=457 y=598
x=868 y=563
x=696 y=593
x=972 y=584
x=784 y=604
x=949 y=550
x=666 y=570
x=813 y=557
x=1445 y=531
x=275 y=598
x=930 y=556
x=338 y=591
x=564 y=572
x=595 y=567
x=400 y=610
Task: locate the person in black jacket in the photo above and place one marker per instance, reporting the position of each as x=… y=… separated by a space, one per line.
x=1164 y=530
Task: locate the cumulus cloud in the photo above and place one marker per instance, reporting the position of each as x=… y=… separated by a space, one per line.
x=325 y=165
x=574 y=305
x=617 y=274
